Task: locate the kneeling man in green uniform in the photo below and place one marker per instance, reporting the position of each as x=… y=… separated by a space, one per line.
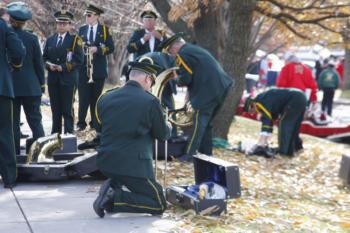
x=131 y=119
x=288 y=106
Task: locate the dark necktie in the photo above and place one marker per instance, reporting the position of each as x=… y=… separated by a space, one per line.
x=91 y=35
x=59 y=42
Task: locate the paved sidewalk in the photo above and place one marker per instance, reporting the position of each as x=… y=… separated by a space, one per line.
x=66 y=207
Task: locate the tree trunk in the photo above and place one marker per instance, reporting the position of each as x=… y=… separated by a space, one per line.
x=207 y=28
x=163 y=7
x=235 y=57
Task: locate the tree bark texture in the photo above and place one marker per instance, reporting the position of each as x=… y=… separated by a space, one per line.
x=235 y=60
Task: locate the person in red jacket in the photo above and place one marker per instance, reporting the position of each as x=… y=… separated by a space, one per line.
x=297 y=75
x=340 y=70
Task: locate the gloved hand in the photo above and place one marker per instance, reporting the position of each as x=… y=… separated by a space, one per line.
x=43 y=89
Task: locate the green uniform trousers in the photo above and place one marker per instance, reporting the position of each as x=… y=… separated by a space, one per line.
x=8 y=168
x=61 y=100
x=145 y=196
x=289 y=125
x=201 y=132
x=88 y=95
x=31 y=107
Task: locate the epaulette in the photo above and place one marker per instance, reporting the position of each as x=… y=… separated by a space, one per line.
x=77 y=41
x=162 y=32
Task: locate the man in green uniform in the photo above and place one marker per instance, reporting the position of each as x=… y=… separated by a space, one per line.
x=63 y=56
x=147 y=39
x=12 y=53
x=98 y=39
x=131 y=119
x=207 y=84
x=29 y=81
x=288 y=105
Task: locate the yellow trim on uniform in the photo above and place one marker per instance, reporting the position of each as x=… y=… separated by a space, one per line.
x=17 y=66
x=69 y=67
x=75 y=41
x=134 y=46
x=104 y=33
x=268 y=114
x=137 y=206
x=96 y=111
x=194 y=133
x=158 y=197
x=267 y=126
x=142 y=206
x=181 y=62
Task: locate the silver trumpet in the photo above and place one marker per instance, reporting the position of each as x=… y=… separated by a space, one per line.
x=89 y=62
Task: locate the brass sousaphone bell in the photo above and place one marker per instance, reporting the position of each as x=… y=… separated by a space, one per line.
x=182 y=117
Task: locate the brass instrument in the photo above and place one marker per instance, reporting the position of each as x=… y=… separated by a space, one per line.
x=182 y=117
x=89 y=62
x=43 y=148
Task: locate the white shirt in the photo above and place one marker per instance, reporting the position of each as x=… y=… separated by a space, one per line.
x=58 y=37
x=151 y=41
x=94 y=29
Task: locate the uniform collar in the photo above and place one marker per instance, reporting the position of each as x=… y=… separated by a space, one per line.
x=63 y=35
x=134 y=83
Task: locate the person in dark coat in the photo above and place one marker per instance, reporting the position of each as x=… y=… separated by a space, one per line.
x=207 y=84
x=98 y=38
x=328 y=82
x=286 y=105
x=131 y=119
x=63 y=56
x=165 y=61
x=29 y=81
x=12 y=53
x=146 y=39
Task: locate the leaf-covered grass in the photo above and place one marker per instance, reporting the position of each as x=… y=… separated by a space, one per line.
x=301 y=194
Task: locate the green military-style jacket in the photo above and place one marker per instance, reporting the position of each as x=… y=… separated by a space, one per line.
x=136 y=47
x=272 y=104
x=12 y=53
x=105 y=46
x=70 y=56
x=131 y=119
x=29 y=80
x=205 y=79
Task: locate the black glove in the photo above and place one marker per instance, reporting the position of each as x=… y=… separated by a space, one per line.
x=43 y=89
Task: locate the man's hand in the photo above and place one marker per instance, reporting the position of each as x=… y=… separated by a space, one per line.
x=157 y=35
x=93 y=49
x=146 y=37
x=59 y=68
x=52 y=67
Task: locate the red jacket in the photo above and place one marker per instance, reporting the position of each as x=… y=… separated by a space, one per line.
x=297 y=75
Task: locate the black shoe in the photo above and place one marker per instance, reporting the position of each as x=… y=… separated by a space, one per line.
x=10 y=185
x=89 y=144
x=81 y=128
x=185 y=158
x=102 y=199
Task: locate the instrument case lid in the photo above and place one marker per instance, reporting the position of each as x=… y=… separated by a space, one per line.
x=223 y=173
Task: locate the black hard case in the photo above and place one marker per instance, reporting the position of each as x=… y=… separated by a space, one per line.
x=208 y=169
